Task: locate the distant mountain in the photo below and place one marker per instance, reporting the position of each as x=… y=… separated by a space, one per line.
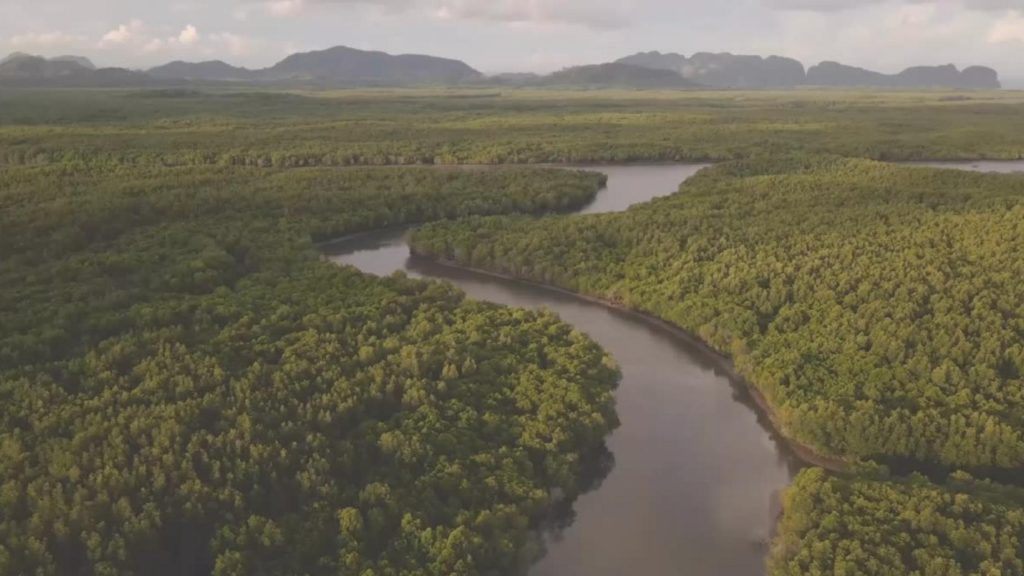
x=980 y=77
x=725 y=70
x=338 y=66
x=21 y=69
x=616 y=75
x=348 y=66
x=835 y=74
x=948 y=76
x=25 y=66
x=657 y=60
x=80 y=60
x=15 y=56
x=210 y=70
x=58 y=61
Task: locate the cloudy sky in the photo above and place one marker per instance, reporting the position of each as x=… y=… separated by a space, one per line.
x=522 y=35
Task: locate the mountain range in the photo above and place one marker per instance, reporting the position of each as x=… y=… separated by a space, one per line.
x=335 y=66
x=725 y=70
x=348 y=67
x=836 y=74
x=20 y=69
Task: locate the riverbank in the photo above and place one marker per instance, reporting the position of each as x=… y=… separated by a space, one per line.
x=803 y=452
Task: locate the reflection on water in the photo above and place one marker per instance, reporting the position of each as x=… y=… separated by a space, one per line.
x=633 y=184
x=379 y=253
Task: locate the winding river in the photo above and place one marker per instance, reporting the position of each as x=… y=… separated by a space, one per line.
x=696 y=471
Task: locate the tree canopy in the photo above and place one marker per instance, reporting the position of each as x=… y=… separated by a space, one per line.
x=186 y=387
x=878 y=308
x=378 y=127
x=905 y=527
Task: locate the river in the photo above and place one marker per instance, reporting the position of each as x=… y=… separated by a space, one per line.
x=696 y=471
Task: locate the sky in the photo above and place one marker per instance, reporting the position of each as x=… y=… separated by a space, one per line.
x=522 y=35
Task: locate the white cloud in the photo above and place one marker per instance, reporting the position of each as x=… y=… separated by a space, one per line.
x=993 y=4
x=235 y=44
x=154 y=45
x=124 y=33
x=241 y=13
x=44 y=40
x=284 y=7
x=188 y=43
x=818 y=5
x=603 y=14
x=915 y=15
x=137 y=36
x=189 y=35
x=839 y=5
x=1009 y=28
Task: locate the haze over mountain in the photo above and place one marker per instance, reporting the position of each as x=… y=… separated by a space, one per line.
x=20 y=69
x=348 y=67
x=725 y=70
x=835 y=74
x=735 y=71
x=80 y=60
x=340 y=66
x=360 y=67
x=209 y=70
x=24 y=65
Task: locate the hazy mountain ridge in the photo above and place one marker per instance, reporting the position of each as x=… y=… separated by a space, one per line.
x=22 y=64
x=349 y=67
x=726 y=70
x=20 y=69
x=948 y=76
x=208 y=70
x=338 y=66
x=358 y=67
x=80 y=60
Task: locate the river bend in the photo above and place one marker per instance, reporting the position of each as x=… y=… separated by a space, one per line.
x=696 y=473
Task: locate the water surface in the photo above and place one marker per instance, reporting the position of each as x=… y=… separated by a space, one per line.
x=635 y=184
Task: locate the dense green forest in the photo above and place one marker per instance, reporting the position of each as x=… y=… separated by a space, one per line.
x=841 y=526
x=878 y=308
x=484 y=127
x=187 y=388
